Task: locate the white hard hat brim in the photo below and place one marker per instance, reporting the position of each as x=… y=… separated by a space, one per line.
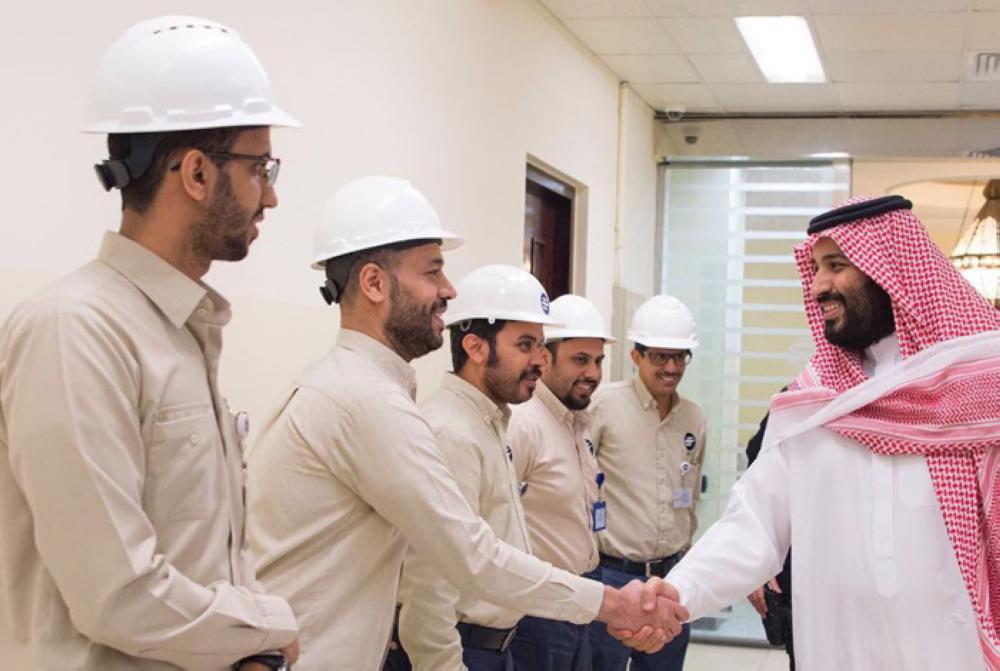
x=529 y=318
x=664 y=343
x=554 y=334
x=274 y=117
x=449 y=242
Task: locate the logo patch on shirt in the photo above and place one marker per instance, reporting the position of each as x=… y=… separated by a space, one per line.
x=689 y=442
x=590 y=444
x=510 y=453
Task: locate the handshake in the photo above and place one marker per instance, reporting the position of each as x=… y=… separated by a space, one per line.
x=643 y=616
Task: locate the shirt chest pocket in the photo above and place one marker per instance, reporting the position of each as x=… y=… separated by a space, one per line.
x=184 y=477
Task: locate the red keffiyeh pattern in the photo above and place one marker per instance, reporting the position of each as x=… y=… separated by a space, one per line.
x=931 y=303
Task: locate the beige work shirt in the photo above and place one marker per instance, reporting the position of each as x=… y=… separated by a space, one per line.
x=471 y=434
x=342 y=476
x=642 y=458
x=554 y=456
x=121 y=493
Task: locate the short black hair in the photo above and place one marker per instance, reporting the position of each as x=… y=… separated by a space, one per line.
x=343 y=271
x=553 y=347
x=640 y=348
x=139 y=193
x=479 y=327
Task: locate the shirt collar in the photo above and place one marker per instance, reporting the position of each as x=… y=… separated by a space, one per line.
x=385 y=358
x=174 y=293
x=489 y=410
x=558 y=409
x=882 y=355
x=646 y=399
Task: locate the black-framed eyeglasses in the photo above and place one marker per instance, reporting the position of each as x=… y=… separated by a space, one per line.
x=267 y=166
x=658 y=358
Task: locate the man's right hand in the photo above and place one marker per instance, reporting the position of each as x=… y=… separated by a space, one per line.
x=757 y=599
x=643 y=616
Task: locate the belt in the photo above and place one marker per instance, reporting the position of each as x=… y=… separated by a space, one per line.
x=485 y=638
x=653 y=567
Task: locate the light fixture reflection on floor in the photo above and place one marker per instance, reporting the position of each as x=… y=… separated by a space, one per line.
x=977 y=254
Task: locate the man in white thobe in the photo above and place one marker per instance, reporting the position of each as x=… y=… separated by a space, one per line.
x=877 y=583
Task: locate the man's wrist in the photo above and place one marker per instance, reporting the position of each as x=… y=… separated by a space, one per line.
x=610 y=605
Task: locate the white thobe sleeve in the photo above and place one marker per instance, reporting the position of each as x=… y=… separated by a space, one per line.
x=746 y=547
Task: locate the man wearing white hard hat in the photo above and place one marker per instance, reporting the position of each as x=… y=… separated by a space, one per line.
x=554 y=457
x=121 y=505
x=651 y=447
x=347 y=472
x=495 y=325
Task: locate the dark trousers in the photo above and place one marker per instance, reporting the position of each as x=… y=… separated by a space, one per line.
x=474 y=659
x=610 y=655
x=551 y=645
x=488 y=660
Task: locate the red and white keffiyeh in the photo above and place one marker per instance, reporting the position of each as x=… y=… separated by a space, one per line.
x=953 y=417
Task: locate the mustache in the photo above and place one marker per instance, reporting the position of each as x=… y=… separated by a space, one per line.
x=532 y=372
x=829 y=296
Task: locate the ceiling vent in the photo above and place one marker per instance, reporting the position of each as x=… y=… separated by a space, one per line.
x=984 y=67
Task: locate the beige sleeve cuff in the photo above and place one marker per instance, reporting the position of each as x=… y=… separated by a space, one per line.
x=279 y=620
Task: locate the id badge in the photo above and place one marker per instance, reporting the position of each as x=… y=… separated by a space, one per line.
x=599 y=516
x=683 y=497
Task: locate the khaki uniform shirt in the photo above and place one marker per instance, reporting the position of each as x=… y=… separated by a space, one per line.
x=554 y=456
x=343 y=475
x=121 y=493
x=471 y=434
x=642 y=457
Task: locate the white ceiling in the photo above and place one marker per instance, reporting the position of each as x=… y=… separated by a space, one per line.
x=878 y=54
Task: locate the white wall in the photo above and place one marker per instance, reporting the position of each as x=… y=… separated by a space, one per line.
x=452 y=94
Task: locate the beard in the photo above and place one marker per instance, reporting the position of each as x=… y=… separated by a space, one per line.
x=574 y=402
x=866 y=317
x=410 y=326
x=222 y=234
x=506 y=386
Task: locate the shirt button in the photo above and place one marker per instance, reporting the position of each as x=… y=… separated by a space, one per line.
x=194 y=438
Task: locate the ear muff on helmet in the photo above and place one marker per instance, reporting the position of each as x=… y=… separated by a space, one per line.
x=118 y=171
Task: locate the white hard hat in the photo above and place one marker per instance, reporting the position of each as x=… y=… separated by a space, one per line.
x=374 y=211
x=580 y=318
x=499 y=292
x=663 y=321
x=178 y=73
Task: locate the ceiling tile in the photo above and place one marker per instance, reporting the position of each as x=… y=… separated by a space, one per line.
x=695 y=97
x=887 y=6
x=980 y=96
x=843 y=66
x=727 y=7
x=597 y=9
x=623 y=36
x=775 y=97
x=726 y=68
x=651 y=69
x=984 y=32
x=890 y=32
x=910 y=96
x=705 y=35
